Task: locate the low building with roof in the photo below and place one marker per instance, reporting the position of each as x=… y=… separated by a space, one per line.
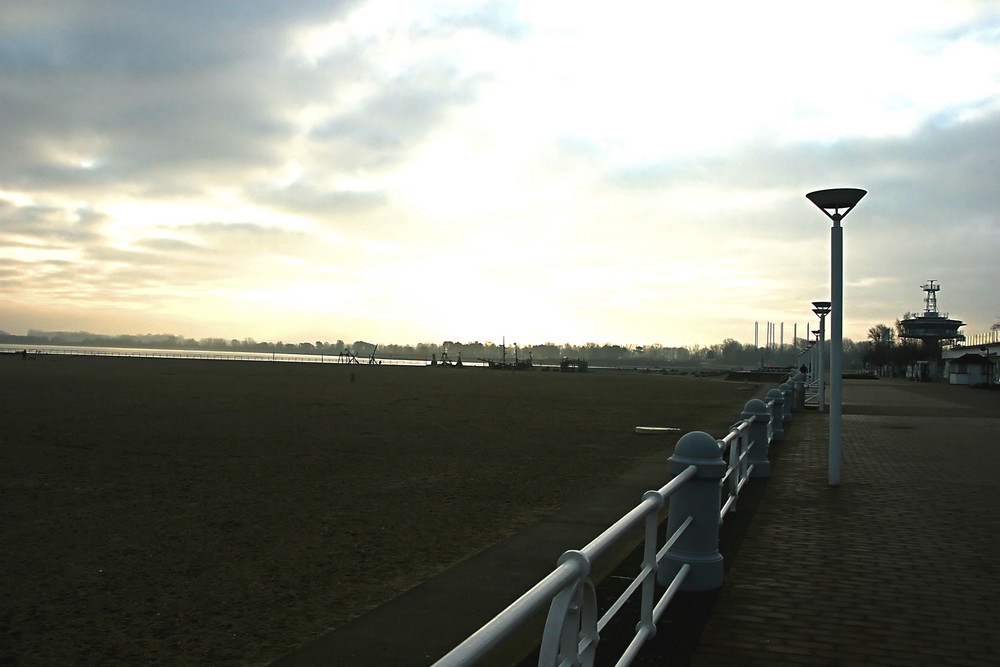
x=971 y=369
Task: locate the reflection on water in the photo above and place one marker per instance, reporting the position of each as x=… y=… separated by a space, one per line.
x=201 y=354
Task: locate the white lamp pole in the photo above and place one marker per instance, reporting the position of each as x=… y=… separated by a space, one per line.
x=817 y=358
x=831 y=202
x=822 y=309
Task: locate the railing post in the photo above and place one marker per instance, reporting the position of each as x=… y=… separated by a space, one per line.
x=649 y=560
x=786 y=393
x=700 y=498
x=572 y=620
x=757 y=456
x=735 y=464
x=776 y=416
x=799 y=391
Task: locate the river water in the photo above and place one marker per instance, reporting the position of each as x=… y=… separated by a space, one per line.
x=203 y=354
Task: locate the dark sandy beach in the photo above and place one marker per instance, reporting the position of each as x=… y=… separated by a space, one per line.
x=172 y=512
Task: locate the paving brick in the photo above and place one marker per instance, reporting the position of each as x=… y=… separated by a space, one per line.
x=898 y=565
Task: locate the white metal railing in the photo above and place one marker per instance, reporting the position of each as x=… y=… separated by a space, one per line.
x=572 y=627
x=812 y=392
x=737 y=445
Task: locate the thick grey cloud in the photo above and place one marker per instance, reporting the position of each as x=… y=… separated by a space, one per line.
x=158 y=95
x=917 y=180
x=47 y=225
x=930 y=212
x=170 y=101
x=166 y=98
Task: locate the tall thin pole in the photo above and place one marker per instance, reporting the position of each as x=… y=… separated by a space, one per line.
x=836 y=345
x=835 y=204
x=821 y=396
x=814 y=359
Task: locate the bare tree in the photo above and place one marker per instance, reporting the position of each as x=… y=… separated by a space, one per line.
x=880 y=332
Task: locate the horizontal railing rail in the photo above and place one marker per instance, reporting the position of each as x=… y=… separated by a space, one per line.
x=708 y=477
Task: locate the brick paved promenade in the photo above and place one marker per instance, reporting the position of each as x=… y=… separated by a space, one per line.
x=900 y=565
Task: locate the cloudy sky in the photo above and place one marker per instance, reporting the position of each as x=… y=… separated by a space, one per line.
x=399 y=172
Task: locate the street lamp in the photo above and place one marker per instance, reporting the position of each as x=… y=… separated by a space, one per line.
x=806 y=351
x=822 y=309
x=835 y=204
x=817 y=358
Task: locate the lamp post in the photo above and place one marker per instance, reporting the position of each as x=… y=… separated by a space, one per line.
x=817 y=361
x=805 y=356
x=836 y=203
x=822 y=309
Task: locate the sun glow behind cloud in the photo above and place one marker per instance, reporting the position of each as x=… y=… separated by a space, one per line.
x=400 y=170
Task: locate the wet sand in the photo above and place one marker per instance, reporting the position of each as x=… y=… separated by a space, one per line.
x=162 y=511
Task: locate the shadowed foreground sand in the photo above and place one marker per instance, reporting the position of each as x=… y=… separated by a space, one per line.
x=160 y=511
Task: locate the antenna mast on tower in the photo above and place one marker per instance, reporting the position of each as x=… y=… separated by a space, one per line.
x=930 y=301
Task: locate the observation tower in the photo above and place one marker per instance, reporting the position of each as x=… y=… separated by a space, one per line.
x=932 y=327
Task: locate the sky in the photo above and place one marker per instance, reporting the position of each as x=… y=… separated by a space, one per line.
x=544 y=171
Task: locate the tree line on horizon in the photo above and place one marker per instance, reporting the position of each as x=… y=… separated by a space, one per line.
x=730 y=352
x=884 y=351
